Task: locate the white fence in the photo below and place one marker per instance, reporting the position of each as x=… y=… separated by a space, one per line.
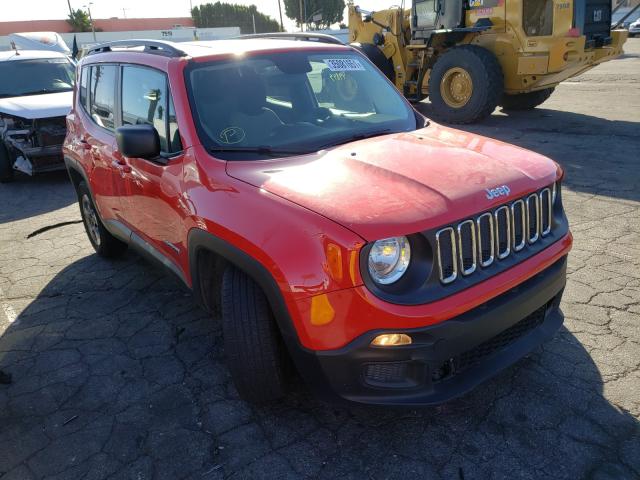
x=175 y=35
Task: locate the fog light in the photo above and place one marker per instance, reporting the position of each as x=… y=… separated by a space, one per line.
x=391 y=340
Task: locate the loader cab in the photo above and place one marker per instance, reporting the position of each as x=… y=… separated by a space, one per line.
x=430 y=15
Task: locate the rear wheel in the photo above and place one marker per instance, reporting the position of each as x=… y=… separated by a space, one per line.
x=256 y=355
x=525 y=101
x=465 y=84
x=6 y=165
x=105 y=244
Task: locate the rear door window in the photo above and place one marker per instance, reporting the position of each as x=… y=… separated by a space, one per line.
x=102 y=93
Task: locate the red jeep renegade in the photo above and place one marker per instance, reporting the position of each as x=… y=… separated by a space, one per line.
x=391 y=260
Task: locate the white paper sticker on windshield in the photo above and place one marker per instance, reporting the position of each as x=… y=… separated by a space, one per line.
x=343 y=64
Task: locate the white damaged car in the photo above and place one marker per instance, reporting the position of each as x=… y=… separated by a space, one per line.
x=36 y=92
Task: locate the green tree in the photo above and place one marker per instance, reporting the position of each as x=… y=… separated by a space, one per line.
x=79 y=21
x=331 y=10
x=211 y=15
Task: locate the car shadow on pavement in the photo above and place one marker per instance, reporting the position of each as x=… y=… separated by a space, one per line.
x=116 y=374
x=30 y=196
x=604 y=156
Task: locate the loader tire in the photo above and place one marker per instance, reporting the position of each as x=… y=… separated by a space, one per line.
x=525 y=101
x=373 y=53
x=465 y=84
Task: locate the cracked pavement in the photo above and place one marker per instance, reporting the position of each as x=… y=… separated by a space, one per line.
x=116 y=374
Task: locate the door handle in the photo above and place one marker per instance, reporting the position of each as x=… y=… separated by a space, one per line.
x=121 y=165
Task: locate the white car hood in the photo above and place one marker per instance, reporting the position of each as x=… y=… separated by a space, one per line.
x=38 y=106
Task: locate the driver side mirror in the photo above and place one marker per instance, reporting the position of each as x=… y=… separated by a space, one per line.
x=138 y=141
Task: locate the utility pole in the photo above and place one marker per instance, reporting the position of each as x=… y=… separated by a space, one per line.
x=304 y=2
x=280 y=9
x=253 y=18
x=93 y=27
x=70 y=9
x=301 y=17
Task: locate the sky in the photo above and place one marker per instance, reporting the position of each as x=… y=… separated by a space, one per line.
x=11 y=10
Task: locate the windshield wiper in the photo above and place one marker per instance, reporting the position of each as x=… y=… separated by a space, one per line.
x=355 y=137
x=43 y=91
x=263 y=150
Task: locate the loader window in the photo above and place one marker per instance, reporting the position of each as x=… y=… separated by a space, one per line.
x=426 y=14
x=537 y=17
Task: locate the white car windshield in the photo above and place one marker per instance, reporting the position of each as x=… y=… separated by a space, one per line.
x=33 y=77
x=293 y=102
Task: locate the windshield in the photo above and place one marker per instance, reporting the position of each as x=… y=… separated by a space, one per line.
x=293 y=102
x=33 y=77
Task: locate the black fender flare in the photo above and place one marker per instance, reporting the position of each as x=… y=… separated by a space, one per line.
x=305 y=360
x=73 y=166
x=201 y=240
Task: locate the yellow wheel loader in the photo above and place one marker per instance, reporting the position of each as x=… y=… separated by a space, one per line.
x=469 y=56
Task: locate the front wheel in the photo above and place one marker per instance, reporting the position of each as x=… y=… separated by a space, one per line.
x=255 y=351
x=465 y=84
x=525 y=101
x=105 y=244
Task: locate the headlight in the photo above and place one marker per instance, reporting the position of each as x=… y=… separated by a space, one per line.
x=389 y=259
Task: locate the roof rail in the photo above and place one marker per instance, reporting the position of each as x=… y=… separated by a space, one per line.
x=150 y=46
x=302 y=36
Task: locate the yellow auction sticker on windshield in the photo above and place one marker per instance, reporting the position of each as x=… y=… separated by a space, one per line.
x=343 y=64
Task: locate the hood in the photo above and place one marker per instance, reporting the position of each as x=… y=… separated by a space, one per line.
x=403 y=183
x=38 y=106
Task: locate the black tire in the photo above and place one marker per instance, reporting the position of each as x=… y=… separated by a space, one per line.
x=105 y=244
x=525 y=101
x=486 y=77
x=256 y=355
x=373 y=53
x=6 y=165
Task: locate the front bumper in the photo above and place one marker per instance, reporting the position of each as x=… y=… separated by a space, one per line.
x=445 y=360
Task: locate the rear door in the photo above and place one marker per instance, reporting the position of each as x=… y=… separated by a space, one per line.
x=153 y=208
x=97 y=139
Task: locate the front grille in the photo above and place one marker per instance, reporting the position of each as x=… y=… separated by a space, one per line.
x=493 y=236
x=468 y=359
x=533 y=218
x=519 y=216
x=386 y=374
x=50 y=131
x=486 y=244
x=545 y=209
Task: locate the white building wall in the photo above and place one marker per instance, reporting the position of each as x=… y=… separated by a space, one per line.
x=174 y=35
